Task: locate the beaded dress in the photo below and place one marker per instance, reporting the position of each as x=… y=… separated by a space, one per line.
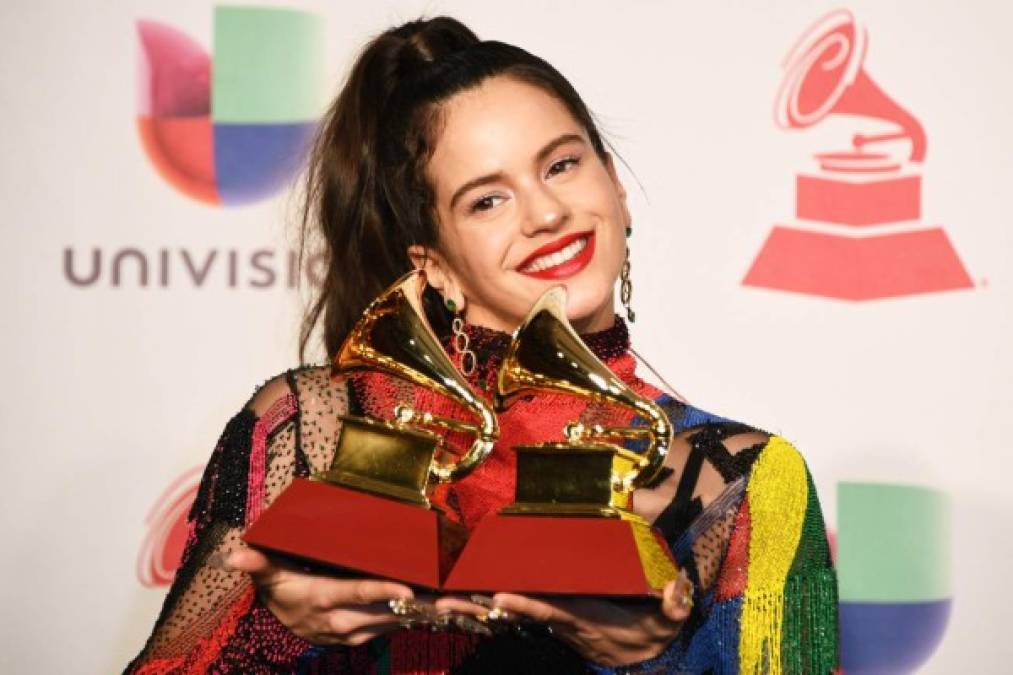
x=737 y=506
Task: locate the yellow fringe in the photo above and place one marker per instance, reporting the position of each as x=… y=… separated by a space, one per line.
x=777 y=494
x=657 y=565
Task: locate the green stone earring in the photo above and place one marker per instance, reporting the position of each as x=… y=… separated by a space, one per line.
x=451 y=306
x=629 y=231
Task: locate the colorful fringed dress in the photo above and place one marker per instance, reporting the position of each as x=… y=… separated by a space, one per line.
x=737 y=506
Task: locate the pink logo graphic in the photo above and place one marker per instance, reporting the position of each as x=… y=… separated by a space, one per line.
x=858 y=234
x=162 y=550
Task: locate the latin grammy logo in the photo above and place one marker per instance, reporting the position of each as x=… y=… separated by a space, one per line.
x=858 y=234
x=160 y=555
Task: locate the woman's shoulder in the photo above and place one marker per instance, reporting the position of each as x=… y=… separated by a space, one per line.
x=732 y=447
x=308 y=389
x=297 y=414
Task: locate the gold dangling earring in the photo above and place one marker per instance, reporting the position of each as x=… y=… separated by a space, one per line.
x=626 y=284
x=468 y=359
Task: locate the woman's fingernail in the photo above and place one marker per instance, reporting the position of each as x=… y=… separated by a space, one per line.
x=686 y=599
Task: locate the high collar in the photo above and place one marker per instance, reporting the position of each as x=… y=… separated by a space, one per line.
x=490 y=345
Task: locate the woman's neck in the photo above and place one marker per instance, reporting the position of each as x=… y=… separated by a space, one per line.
x=601 y=319
x=490 y=345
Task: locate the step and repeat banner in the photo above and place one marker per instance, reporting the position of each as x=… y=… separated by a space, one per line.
x=823 y=248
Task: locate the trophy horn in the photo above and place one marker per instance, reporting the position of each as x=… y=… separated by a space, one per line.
x=394 y=337
x=546 y=354
x=572 y=507
x=380 y=477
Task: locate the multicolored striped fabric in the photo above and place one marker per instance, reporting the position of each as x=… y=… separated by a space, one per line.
x=789 y=609
x=773 y=608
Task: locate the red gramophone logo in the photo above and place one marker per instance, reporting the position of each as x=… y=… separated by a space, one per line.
x=858 y=233
x=160 y=554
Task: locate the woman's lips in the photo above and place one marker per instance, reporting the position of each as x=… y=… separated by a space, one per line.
x=569 y=267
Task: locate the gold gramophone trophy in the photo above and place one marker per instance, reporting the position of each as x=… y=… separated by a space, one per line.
x=570 y=530
x=370 y=511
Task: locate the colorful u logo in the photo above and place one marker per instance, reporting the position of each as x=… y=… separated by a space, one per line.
x=234 y=127
x=893 y=561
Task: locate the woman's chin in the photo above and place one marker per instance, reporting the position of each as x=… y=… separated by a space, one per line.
x=586 y=319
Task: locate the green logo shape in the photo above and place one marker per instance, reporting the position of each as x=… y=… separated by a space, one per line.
x=893 y=543
x=267 y=66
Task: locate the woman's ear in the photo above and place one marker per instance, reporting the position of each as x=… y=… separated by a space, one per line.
x=437 y=273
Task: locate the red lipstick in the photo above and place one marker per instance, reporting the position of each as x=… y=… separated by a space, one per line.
x=568 y=268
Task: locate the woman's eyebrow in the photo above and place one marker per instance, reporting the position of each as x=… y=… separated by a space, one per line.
x=539 y=158
x=474 y=183
x=555 y=143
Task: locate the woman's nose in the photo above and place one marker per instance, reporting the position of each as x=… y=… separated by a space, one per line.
x=545 y=211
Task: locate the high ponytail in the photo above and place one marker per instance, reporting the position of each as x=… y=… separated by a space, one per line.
x=367 y=199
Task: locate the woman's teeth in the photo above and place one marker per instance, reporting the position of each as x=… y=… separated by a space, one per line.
x=558 y=258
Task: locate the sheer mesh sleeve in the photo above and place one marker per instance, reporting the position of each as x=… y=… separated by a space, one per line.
x=740 y=510
x=211 y=620
x=695 y=503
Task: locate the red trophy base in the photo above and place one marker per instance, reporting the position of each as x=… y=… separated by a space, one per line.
x=562 y=556
x=344 y=528
x=858 y=268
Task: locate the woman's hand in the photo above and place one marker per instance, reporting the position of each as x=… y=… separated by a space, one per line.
x=606 y=633
x=321 y=609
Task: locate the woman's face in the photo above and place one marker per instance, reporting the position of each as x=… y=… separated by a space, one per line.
x=523 y=203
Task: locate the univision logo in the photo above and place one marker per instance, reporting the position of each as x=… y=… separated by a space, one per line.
x=232 y=127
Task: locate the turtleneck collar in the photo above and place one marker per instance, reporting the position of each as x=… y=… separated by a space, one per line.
x=490 y=345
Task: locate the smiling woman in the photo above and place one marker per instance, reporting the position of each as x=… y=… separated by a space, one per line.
x=479 y=163
x=545 y=207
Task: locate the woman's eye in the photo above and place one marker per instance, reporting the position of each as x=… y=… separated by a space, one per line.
x=563 y=165
x=485 y=203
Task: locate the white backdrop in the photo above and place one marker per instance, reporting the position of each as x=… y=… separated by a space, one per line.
x=113 y=392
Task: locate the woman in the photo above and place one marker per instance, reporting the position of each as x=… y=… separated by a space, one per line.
x=479 y=163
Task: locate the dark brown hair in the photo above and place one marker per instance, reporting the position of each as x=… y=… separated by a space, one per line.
x=367 y=199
